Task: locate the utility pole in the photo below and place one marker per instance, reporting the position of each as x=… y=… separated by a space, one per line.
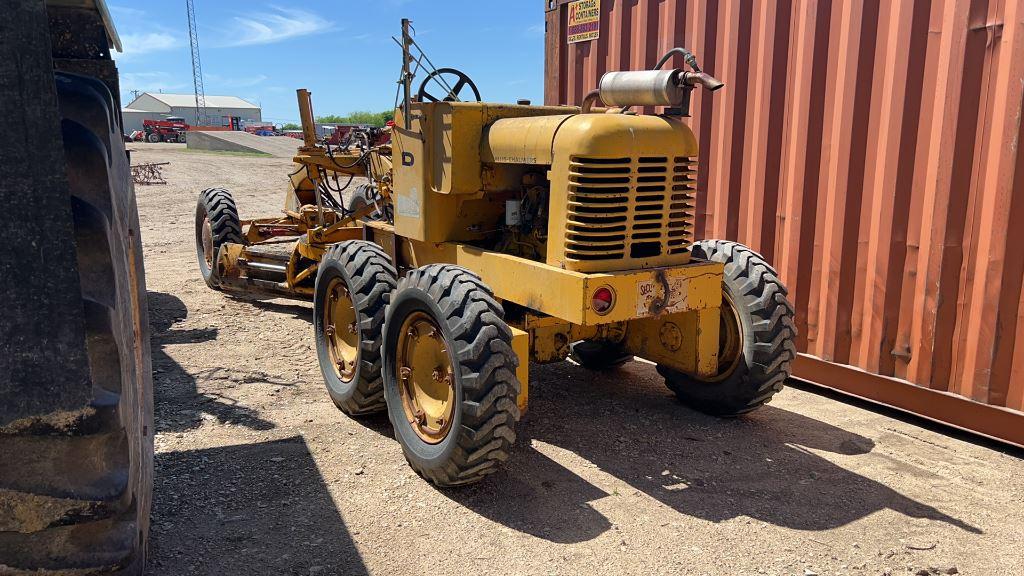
x=197 y=67
x=135 y=94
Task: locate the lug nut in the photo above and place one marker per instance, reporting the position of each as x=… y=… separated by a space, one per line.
x=329 y=330
x=405 y=372
x=352 y=328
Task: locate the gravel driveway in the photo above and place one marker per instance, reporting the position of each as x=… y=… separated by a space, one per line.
x=258 y=473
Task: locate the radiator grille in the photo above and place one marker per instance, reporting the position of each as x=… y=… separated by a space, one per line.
x=630 y=208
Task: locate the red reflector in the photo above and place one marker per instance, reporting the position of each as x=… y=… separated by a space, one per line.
x=603 y=300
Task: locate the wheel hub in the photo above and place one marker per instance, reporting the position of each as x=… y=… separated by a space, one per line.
x=341 y=331
x=207 y=241
x=730 y=339
x=426 y=381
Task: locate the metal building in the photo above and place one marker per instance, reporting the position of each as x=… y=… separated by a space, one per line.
x=870 y=151
x=156 y=106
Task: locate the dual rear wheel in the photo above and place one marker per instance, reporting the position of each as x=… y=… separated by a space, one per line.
x=431 y=348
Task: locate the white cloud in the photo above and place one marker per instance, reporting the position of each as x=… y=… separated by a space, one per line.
x=136 y=44
x=270 y=27
x=125 y=11
x=152 y=81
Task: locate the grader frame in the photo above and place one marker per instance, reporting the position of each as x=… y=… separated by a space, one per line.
x=512 y=233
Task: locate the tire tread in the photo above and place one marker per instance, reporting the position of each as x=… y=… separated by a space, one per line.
x=764 y=300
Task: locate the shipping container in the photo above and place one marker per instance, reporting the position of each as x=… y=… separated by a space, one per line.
x=869 y=149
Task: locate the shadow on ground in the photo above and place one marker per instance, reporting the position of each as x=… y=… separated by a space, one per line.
x=250 y=509
x=179 y=405
x=765 y=466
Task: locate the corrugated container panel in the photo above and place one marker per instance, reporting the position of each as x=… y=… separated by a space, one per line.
x=869 y=149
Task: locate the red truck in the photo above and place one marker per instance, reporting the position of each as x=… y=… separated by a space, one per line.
x=167 y=130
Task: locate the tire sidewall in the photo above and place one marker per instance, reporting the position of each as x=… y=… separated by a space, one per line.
x=424 y=456
x=209 y=274
x=738 y=377
x=721 y=397
x=331 y=268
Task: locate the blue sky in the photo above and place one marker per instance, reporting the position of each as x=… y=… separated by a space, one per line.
x=342 y=50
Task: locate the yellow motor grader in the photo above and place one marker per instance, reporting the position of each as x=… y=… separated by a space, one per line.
x=490 y=236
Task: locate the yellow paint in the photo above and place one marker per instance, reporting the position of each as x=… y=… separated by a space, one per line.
x=521 y=346
x=596 y=154
x=567 y=294
x=521 y=140
x=696 y=349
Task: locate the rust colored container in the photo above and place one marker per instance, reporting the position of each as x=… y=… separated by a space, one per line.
x=869 y=149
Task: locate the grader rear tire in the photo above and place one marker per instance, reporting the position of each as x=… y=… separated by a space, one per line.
x=217 y=223
x=454 y=417
x=352 y=286
x=76 y=413
x=757 y=336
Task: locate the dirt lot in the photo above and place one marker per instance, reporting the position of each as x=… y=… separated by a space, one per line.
x=258 y=473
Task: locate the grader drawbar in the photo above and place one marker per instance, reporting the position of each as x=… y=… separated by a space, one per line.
x=488 y=236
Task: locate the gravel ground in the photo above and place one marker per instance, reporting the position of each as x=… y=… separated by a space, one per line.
x=258 y=473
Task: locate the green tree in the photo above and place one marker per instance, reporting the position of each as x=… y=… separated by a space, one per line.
x=291 y=126
x=359 y=117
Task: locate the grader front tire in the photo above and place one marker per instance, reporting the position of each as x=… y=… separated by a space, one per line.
x=757 y=336
x=476 y=345
x=352 y=287
x=217 y=223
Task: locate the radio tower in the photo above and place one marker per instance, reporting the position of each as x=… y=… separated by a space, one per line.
x=197 y=67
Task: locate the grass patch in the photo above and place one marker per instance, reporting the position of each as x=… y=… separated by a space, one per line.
x=228 y=153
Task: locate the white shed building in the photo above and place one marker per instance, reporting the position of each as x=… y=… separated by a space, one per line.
x=157 y=106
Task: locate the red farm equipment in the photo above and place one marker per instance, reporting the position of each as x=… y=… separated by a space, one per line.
x=166 y=130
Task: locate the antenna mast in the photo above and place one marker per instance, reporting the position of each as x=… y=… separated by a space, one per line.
x=197 y=67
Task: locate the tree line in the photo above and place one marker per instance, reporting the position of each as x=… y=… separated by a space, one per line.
x=359 y=117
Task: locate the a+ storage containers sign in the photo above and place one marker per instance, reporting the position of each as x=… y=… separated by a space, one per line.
x=584 y=21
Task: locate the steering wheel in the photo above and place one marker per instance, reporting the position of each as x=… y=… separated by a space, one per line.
x=452 y=86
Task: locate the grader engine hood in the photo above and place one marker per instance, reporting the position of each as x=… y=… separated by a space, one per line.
x=532 y=140
x=622 y=186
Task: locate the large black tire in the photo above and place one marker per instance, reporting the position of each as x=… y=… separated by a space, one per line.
x=225 y=227
x=599 y=356
x=758 y=299
x=360 y=199
x=154 y=137
x=479 y=342
x=366 y=271
x=76 y=420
